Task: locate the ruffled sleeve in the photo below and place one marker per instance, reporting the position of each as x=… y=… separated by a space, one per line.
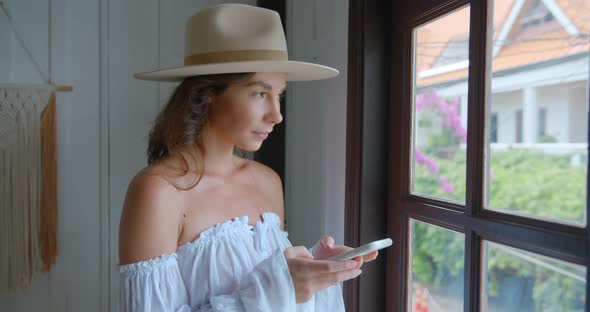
x=156 y=285
x=153 y=285
x=268 y=287
x=327 y=299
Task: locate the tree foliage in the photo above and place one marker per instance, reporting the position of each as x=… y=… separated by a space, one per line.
x=521 y=181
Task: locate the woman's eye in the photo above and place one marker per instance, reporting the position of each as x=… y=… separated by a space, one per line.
x=262 y=94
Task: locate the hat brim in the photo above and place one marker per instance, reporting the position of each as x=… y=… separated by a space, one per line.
x=296 y=71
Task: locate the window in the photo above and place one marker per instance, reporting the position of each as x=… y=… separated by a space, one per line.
x=518 y=126
x=538 y=283
x=494 y=128
x=542 y=124
x=482 y=226
x=538 y=14
x=438 y=166
x=455 y=50
x=436 y=280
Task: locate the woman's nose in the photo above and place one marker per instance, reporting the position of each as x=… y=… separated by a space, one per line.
x=274 y=115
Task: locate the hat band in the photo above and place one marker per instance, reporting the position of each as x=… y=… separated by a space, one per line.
x=236 y=56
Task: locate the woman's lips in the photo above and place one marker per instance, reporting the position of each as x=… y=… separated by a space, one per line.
x=260 y=135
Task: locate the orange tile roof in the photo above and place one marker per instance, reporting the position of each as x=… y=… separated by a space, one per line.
x=535 y=44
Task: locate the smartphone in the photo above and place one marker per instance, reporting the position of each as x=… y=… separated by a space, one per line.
x=363 y=250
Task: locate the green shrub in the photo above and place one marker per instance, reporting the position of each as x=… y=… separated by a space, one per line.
x=522 y=181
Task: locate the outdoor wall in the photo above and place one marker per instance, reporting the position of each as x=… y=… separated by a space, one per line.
x=578 y=110
x=556 y=101
x=566 y=112
x=554 y=93
x=505 y=105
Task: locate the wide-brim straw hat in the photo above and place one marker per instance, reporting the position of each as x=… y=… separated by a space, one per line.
x=237 y=38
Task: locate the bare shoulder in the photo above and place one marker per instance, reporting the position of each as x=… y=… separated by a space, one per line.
x=272 y=185
x=149 y=219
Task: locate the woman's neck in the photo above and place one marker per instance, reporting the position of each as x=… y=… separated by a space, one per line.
x=219 y=156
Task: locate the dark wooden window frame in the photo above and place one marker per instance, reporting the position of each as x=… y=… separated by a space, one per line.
x=378 y=198
x=369 y=57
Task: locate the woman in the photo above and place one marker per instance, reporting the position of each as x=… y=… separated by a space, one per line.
x=202 y=229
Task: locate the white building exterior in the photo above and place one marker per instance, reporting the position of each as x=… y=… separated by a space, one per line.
x=538 y=94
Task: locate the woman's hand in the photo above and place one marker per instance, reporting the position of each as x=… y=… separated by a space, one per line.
x=311 y=275
x=325 y=249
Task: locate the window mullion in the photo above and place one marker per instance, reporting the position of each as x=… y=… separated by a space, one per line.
x=472 y=271
x=476 y=129
x=477 y=101
x=588 y=214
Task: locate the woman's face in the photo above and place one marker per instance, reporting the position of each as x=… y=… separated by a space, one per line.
x=246 y=112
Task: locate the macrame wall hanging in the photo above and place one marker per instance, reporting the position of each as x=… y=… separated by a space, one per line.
x=28 y=176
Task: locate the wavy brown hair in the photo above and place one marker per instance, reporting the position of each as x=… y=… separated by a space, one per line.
x=180 y=123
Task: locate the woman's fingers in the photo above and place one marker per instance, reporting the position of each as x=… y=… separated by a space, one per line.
x=370 y=256
x=326 y=266
x=298 y=252
x=359 y=260
x=338 y=249
x=328 y=273
x=328 y=279
x=327 y=241
x=310 y=275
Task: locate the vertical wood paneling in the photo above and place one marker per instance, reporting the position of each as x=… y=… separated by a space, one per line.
x=74 y=61
x=132 y=104
x=316 y=123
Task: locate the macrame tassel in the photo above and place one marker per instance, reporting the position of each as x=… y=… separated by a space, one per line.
x=28 y=182
x=48 y=232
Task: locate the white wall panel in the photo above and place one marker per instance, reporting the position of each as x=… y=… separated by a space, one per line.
x=316 y=122
x=73 y=283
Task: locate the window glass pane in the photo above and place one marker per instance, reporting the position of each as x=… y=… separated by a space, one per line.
x=437 y=258
x=538 y=109
x=441 y=50
x=516 y=280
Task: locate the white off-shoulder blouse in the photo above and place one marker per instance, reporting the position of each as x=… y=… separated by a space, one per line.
x=232 y=266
